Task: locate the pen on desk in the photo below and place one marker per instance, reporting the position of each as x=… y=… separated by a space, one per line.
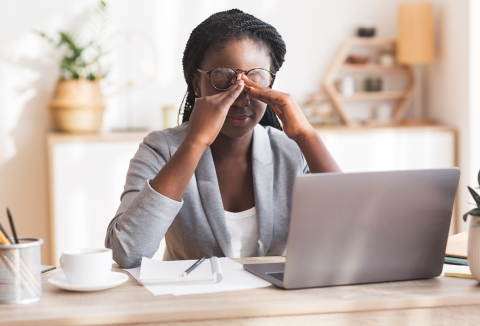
x=201 y=260
x=12 y=226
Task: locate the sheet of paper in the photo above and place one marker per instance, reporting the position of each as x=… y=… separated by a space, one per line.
x=234 y=278
x=446 y=268
x=163 y=272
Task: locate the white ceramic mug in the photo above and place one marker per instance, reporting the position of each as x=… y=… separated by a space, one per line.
x=86 y=266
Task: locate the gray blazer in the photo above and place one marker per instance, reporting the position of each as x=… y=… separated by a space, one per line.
x=196 y=226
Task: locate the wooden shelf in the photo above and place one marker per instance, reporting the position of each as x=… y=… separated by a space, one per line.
x=374 y=96
x=349 y=67
x=403 y=98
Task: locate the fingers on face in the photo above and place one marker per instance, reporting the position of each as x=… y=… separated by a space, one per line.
x=260 y=95
x=268 y=96
x=277 y=111
x=249 y=82
x=233 y=92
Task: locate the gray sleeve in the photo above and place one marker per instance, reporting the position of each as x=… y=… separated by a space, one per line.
x=144 y=215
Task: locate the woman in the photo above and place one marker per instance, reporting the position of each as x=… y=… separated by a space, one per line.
x=221 y=183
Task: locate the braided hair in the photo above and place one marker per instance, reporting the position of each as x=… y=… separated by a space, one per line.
x=217 y=30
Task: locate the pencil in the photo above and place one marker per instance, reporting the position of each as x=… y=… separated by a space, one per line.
x=193 y=266
x=22 y=264
x=9 y=262
x=5 y=232
x=3 y=238
x=12 y=226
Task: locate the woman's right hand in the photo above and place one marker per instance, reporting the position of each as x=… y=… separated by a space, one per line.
x=209 y=114
x=206 y=121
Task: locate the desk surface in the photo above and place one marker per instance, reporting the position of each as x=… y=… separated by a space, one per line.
x=429 y=301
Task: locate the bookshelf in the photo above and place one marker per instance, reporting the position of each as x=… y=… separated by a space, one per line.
x=403 y=98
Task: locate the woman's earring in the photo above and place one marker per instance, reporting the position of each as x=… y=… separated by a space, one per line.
x=196 y=94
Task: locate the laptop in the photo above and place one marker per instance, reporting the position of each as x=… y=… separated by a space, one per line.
x=354 y=228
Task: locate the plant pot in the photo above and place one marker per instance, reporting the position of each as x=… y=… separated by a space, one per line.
x=77 y=106
x=473 y=253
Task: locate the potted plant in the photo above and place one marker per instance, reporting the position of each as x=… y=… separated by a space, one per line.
x=473 y=253
x=77 y=103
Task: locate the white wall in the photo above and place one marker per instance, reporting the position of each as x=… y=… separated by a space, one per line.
x=312 y=30
x=449 y=89
x=474 y=94
x=28 y=72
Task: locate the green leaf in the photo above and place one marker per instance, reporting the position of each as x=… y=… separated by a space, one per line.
x=476 y=224
x=45 y=36
x=68 y=40
x=475 y=196
x=473 y=212
x=479 y=178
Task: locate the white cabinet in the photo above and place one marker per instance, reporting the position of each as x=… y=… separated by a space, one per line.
x=87 y=172
x=400 y=148
x=87 y=175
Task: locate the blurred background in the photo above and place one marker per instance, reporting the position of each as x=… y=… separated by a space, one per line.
x=388 y=85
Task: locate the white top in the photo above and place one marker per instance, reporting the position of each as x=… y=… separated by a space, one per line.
x=243 y=228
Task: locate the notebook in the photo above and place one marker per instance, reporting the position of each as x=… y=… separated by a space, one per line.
x=460 y=271
x=456 y=261
x=170 y=272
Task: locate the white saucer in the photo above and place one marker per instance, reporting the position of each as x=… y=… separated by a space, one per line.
x=113 y=280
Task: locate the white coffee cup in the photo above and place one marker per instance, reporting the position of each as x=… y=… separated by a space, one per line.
x=86 y=266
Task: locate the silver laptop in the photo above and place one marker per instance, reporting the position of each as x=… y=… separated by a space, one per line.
x=352 y=228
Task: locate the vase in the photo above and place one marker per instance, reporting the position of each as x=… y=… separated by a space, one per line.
x=473 y=253
x=77 y=106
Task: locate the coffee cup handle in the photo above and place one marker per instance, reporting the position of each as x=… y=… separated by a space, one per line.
x=61 y=262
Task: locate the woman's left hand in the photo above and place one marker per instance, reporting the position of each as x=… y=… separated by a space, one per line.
x=295 y=124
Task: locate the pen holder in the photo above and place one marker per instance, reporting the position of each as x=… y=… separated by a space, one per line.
x=20 y=271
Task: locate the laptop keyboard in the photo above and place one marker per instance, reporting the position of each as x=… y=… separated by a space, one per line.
x=277 y=275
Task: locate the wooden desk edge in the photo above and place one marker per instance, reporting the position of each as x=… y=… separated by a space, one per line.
x=275 y=309
x=247 y=312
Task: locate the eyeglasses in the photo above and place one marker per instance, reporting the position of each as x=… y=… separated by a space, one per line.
x=223 y=78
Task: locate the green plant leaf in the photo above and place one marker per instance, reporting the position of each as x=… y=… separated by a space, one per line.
x=475 y=196
x=473 y=212
x=476 y=224
x=45 y=36
x=67 y=39
x=75 y=46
